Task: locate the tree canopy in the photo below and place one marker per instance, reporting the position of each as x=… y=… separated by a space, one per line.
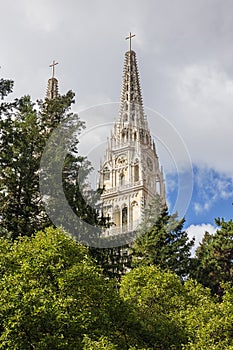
x=52 y=294
x=25 y=129
x=213 y=263
x=162 y=241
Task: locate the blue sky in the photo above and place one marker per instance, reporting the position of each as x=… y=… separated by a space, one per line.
x=185 y=58
x=211 y=196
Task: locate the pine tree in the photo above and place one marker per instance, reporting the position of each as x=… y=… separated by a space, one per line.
x=25 y=129
x=162 y=241
x=20 y=149
x=6 y=87
x=213 y=263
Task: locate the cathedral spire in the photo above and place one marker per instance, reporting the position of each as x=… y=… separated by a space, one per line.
x=131 y=103
x=52 y=90
x=130 y=173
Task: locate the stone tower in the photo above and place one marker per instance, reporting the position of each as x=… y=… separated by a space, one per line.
x=130 y=172
x=52 y=89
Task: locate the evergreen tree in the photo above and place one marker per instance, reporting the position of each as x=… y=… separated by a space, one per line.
x=6 y=87
x=114 y=261
x=25 y=129
x=213 y=263
x=162 y=241
x=20 y=148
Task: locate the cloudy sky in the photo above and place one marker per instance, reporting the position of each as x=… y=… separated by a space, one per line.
x=185 y=57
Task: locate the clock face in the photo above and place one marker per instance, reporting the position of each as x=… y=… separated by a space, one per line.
x=149 y=163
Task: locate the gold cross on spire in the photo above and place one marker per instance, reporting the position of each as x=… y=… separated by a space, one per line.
x=53 y=65
x=130 y=40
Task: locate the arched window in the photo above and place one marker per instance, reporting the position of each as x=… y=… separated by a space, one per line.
x=116 y=216
x=106 y=174
x=134 y=217
x=124 y=216
x=122 y=179
x=136 y=173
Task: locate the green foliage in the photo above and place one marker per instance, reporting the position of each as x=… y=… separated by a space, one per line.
x=157 y=297
x=178 y=316
x=101 y=344
x=52 y=294
x=113 y=261
x=25 y=129
x=207 y=321
x=161 y=241
x=6 y=87
x=20 y=148
x=213 y=264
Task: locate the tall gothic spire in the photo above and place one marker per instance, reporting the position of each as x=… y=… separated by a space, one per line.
x=130 y=172
x=52 y=89
x=131 y=103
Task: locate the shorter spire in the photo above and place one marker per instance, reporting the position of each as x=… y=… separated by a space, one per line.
x=52 y=90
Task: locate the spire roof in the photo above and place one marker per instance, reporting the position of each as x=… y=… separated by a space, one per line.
x=52 y=89
x=131 y=103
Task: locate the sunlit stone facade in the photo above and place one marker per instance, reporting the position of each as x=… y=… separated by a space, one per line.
x=130 y=172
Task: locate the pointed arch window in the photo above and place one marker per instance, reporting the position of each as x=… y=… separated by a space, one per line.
x=122 y=179
x=116 y=216
x=134 y=217
x=136 y=172
x=124 y=216
x=106 y=173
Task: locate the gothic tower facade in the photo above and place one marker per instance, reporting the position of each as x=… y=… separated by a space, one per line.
x=130 y=172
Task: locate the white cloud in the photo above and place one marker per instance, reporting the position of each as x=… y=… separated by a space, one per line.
x=199 y=208
x=211 y=187
x=198 y=232
x=205 y=94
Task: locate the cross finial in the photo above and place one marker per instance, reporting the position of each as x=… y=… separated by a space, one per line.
x=130 y=40
x=53 y=65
